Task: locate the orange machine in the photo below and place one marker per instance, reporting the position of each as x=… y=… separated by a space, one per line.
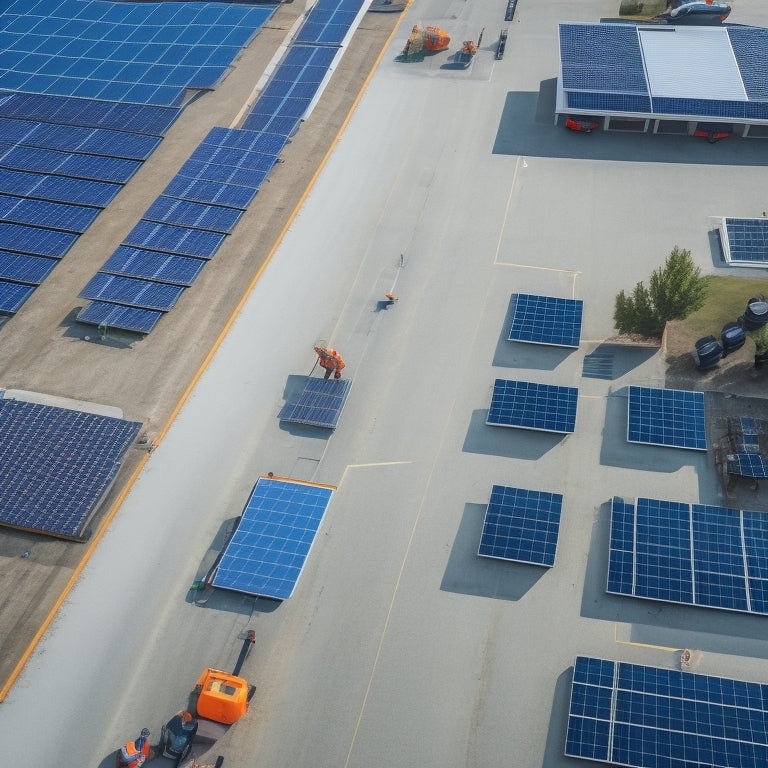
x=436 y=39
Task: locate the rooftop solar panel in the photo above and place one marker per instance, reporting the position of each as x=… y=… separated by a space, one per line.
x=745 y=241
x=533 y=406
x=279 y=124
x=81 y=166
x=546 y=320
x=108 y=315
x=153 y=265
x=223 y=174
x=215 y=218
x=320 y=403
x=184 y=241
x=58 y=188
x=35 y=240
x=694 y=554
x=22 y=268
x=133 y=292
x=637 y=716
x=246 y=141
x=267 y=552
x=213 y=192
x=57 y=464
x=669 y=417
x=44 y=213
x=747 y=464
x=13 y=295
x=521 y=525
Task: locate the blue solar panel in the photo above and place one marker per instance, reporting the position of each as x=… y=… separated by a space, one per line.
x=267 y=552
x=215 y=218
x=747 y=464
x=693 y=554
x=80 y=166
x=602 y=57
x=669 y=417
x=118 y=316
x=58 y=188
x=533 y=406
x=44 y=213
x=546 y=320
x=247 y=141
x=35 y=241
x=213 y=192
x=153 y=265
x=320 y=403
x=13 y=295
x=287 y=106
x=184 y=241
x=223 y=174
x=277 y=124
x=644 y=717
x=57 y=465
x=746 y=241
x=521 y=525
x=608 y=102
x=22 y=268
x=233 y=157
x=144 y=294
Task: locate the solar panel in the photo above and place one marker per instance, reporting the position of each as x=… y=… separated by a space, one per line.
x=95 y=167
x=213 y=192
x=184 y=241
x=638 y=716
x=58 y=188
x=278 y=124
x=57 y=464
x=153 y=265
x=35 y=240
x=749 y=45
x=224 y=174
x=144 y=294
x=669 y=417
x=533 y=406
x=694 y=554
x=13 y=295
x=215 y=218
x=745 y=241
x=44 y=213
x=108 y=315
x=320 y=403
x=267 y=552
x=747 y=464
x=546 y=320
x=521 y=525
x=22 y=268
x=248 y=141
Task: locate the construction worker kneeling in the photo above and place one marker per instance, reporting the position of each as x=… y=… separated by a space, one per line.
x=331 y=360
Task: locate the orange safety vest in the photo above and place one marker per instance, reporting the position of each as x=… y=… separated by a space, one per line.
x=130 y=754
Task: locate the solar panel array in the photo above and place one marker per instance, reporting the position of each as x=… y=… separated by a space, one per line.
x=669 y=417
x=63 y=163
x=56 y=465
x=533 y=406
x=328 y=23
x=267 y=552
x=603 y=70
x=521 y=525
x=694 y=554
x=638 y=716
x=747 y=464
x=320 y=403
x=143 y=53
x=546 y=320
x=745 y=241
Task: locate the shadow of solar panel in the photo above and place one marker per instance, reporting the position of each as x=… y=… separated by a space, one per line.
x=747 y=464
x=13 y=295
x=746 y=240
x=527 y=405
x=215 y=218
x=121 y=317
x=637 y=716
x=184 y=241
x=546 y=320
x=153 y=265
x=213 y=192
x=44 y=213
x=521 y=525
x=34 y=240
x=267 y=552
x=144 y=294
x=21 y=268
x=669 y=417
x=58 y=188
x=57 y=465
x=320 y=403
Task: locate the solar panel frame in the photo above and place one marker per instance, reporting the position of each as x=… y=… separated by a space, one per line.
x=747 y=464
x=320 y=403
x=539 y=407
x=119 y=316
x=521 y=525
x=267 y=553
x=546 y=320
x=132 y=292
x=672 y=418
x=745 y=241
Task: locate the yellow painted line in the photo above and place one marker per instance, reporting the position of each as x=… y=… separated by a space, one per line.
x=506 y=212
x=372 y=464
x=640 y=645
x=72 y=579
x=118 y=502
x=294 y=480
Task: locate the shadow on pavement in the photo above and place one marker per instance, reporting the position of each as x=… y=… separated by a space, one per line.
x=507 y=441
x=469 y=574
x=558 y=721
x=612 y=361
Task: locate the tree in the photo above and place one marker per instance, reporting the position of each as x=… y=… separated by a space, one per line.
x=675 y=291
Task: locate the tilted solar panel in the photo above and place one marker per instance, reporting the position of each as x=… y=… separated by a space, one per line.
x=45 y=213
x=669 y=417
x=213 y=192
x=267 y=553
x=533 y=406
x=153 y=265
x=216 y=218
x=58 y=188
x=746 y=240
x=747 y=464
x=521 y=525
x=13 y=295
x=22 y=268
x=546 y=320
x=108 y=315
x=185 y=241
x=320 y=403
x=144 y=294
x=35 y=240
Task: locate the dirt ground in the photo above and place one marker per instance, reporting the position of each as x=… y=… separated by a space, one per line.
x=45 y=350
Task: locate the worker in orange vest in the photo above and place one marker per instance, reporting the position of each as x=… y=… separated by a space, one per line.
x=331 y=360
x=135 y=753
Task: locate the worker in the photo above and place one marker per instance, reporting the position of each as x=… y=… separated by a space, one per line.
x=331 y=360
x=135 y=753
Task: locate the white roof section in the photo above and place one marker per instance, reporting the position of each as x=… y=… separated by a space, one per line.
x=691 y=63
